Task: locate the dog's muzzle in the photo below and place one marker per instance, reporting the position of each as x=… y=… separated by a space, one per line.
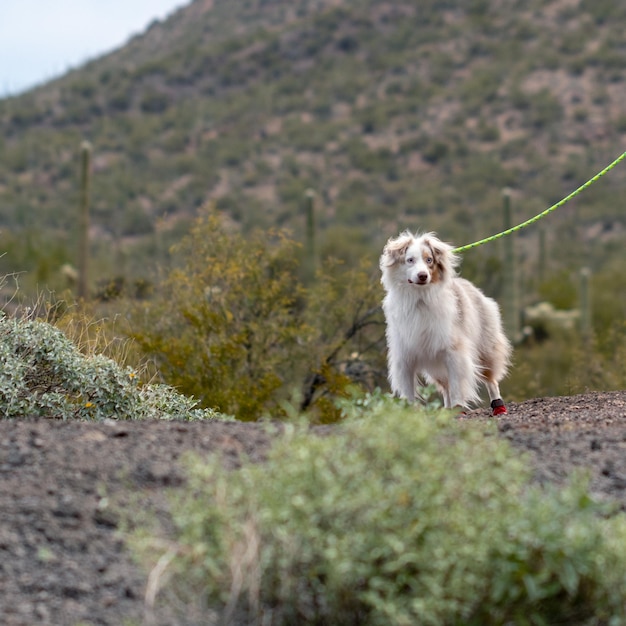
x=422 y=279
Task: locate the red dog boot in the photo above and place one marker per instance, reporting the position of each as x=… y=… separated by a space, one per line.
x=498 y=407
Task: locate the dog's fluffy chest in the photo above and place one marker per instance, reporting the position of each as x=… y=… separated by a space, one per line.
x=422 y=325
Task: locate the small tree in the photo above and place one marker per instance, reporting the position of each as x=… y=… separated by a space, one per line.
x=225 y=325
x=343 y=308
x=234 y=327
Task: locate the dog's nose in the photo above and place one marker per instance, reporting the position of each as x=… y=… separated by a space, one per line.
x=422 y=277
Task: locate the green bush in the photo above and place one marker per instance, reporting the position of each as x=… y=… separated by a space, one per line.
x=43 y=374
x=545 y=109
x=560 y=290
x=481 y=87
x=399 y=517
x=155 y=102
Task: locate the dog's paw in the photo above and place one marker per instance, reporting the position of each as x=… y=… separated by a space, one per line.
x=497 y=407
x=459 y=412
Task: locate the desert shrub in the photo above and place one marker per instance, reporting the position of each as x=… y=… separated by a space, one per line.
x=487 y=132
x=234 y=326
x=223 y=326
x=154 y=102
x=620 y=124
x=435 y=151
x=399 y=517
x=90 y=334
x=44 y=374
x=608 y=297
x=370 y=161
x=545 y=109
x=557 y=366
x=603 y=11
x=309 y=137
x=481 y=87
x=119 y=99
x=559 y=289
x=559 y=360
x=565 y=364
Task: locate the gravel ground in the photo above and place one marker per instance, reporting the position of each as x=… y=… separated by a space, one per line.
x=63 y=560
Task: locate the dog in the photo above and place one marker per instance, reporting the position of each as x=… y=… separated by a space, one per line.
x=440 y=328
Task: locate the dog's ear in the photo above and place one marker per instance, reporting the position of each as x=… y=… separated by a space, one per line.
x=445 y=259
x=438 y=247
x=395 y=249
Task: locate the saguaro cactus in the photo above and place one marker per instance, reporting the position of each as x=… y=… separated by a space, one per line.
x=83 y=222
x=585 y=304
x=543 y=255
x=310 y=252
x=510 y=305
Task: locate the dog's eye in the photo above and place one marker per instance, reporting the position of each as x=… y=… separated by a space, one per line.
x=429 y=260
x=410 y=260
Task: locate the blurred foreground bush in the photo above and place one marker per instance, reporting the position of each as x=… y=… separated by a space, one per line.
x=395 y=518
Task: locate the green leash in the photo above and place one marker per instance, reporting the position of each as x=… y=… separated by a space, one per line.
x=532 y=220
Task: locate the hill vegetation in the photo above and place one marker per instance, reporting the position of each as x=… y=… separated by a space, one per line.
x=397 y=114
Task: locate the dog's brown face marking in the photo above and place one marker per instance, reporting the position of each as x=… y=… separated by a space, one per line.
x=432 y=257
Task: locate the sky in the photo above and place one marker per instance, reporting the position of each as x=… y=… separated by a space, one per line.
x=43 y=39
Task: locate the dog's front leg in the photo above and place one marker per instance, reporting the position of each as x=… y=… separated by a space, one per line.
x=460 y=389
x=402 y=379
x=445 y=392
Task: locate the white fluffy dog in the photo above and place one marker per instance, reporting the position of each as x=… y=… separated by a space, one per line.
x=440 y=326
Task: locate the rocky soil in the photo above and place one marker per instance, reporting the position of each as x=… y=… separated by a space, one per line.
x=63 y=559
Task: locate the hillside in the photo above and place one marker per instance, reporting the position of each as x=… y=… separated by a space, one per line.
x=397 y=114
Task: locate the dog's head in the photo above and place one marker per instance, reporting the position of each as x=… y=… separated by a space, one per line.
x=417 y=260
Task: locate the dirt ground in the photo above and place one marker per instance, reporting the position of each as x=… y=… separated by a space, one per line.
x=63 y=560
